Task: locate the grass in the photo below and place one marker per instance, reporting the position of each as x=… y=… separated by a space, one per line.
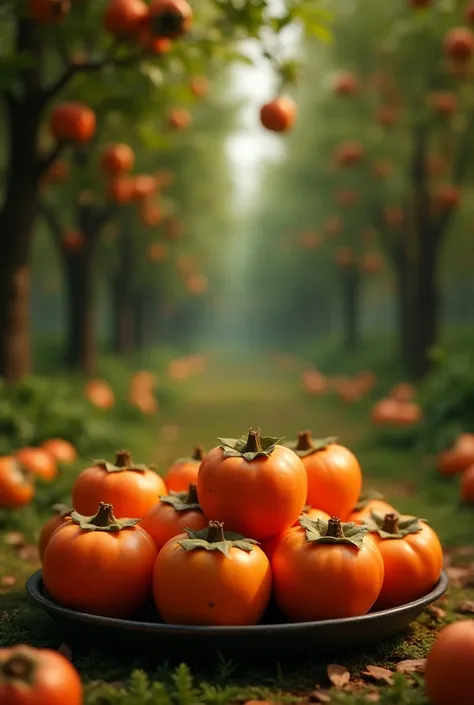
x=229 y=397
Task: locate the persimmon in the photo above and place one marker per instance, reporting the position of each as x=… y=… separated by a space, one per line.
x=449 y=675
x=197 y=284
x=170 y=18
x=16 y=486
x=447 y=197
x=458 y=457
x=132 y=489
x=334 y=474
x=385 y=411
x=346 y=84
x=459 y=44
x=199 y=86
x=63 y=451
x=172 y=514
x=179 y=119
x=314 y=382
x=403 y=392
x=37 y=461
x=408 y=413
x=100 y=564
x=121 y=189
x=412 y=556
x=73 y=241
x=117 y=158
x=99 y=393
x=144 y=186
x=48 y=11
x=230 y=577
x=466 y=487
x=155 y=45
x=30 y=676
x=124 y=19
x=443 y=102
x=269 y=545
x=348 y=154
x=387 y=115
x=255 y=485
x=73 y=122
x=278 y=115
x=184 y=471
x=369 y=501
x=62 y=514
x=326 y=570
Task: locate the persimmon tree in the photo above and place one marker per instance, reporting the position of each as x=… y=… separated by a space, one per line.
x=53 y=46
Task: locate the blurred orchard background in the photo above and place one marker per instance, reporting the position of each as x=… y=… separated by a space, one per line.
x=179 y=262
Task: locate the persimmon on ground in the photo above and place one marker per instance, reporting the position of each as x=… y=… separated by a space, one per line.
x=230 y=575
x=458 y=457
x=449 y=675
x=63 y=451
x=466 y=487
x=16 y=486
x=37 y=461
x=100 y=564
x=130 y=487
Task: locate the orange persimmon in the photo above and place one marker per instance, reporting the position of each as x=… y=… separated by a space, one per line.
x=16 y=486
x=37 y=461
x=132 y=489
x=466 y=487
x=230 y=577
x=269 y=545
x=449 y=676
x=184 y=471
x=62 y=514
x=61 y=450
x=326 y=570
x=172 y=514
x=253 y=484
x=458 y=457
x=367 y=503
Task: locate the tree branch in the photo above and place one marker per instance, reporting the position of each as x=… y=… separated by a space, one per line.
x=49 y=216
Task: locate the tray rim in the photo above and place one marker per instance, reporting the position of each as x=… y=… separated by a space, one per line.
x=34 y=586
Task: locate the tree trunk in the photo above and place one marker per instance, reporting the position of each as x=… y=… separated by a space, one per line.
x=351 y=307
x=140 y=321
x=404 y=300
x=425 y=311
x=122 y=291
x=81 y=352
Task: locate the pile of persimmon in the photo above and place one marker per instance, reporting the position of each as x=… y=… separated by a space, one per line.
x=227 y=532
x=398 y=408
x=458 y=460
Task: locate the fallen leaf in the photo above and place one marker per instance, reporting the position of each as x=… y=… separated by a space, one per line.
x=416 y=665
x=378 y=673
x=14 y=538
x=65 y=651
x=437 y=612
x=459 y=576
x=320 y=696
x=466 y=607
x=373 y=697
x=29 y=554
x=8 y=580
x=338 y=675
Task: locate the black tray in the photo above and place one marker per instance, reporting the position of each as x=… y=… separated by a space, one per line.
x=274 y=639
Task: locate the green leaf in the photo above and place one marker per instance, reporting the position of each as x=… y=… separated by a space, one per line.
x=214 y=538
x=305 y=445
x=391 y=526
x=319 y=531
x=249 y=447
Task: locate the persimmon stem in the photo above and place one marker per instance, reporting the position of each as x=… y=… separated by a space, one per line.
x=18 y=666
x=123 y=459
x=253 y=444
x=198 y=453
x=192 y=496
x=390 y=523
x=335 y=528
x=104 y=517
x=305 y=441
x=215 y=532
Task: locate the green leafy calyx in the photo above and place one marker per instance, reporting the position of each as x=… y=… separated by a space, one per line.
x=305 y=445
x=123 y=461
x=18 y=667
x=214 y=538
x=366 y=497
x=333 y=531
x=183 y=501
x=391 y=526
x=249 y=447
x=104 y=520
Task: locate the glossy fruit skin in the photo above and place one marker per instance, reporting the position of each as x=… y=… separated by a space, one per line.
x=55 y=680
x=459 y=44
x=99 y=572
x=459 y=457
x=16 y=487
x=131 y=493
x=374 y=505
x=258 y=498
x=99 y=393
x=385 y=411
x=449 y=675
x=73 y=122
x=226 y=591
x=48 y=11
x=61 y=450
x=269 y=545
x=182 y=474
x=48 y=530
x=38 y=461
x=124 y=19
x=412 y=564
x=163 y=522
x=170 y=18
x=467 y=485
x=117 y=158
x=314 y=581
x=334 y=480
x=279 y=115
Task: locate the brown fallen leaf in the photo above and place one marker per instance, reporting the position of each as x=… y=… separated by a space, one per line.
x=30 y=554
x=378 y=673
x=466 y=607
x=416 y=665
x=338 y=675
x=65 y=651
x=459 y=576
x=373 y=697
x=436 y=612
x=8 y=580
x=320 y=696
x=14 y=538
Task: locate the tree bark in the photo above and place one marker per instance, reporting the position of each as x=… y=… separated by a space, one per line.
x=81 y=346
x=350 y=307
x=122 y=291
x=425 y=311
x=140 y=320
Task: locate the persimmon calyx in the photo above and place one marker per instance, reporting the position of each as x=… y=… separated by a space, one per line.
x=123 y=461
x=198 y=454
x=103 y=520
x=391 y=526
x=214 y=538
x=183 y=501
x=306 y=445
x=367 y=497
x=333 y=531
x=249 y=447
x=18 y=667
x=62 y=510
